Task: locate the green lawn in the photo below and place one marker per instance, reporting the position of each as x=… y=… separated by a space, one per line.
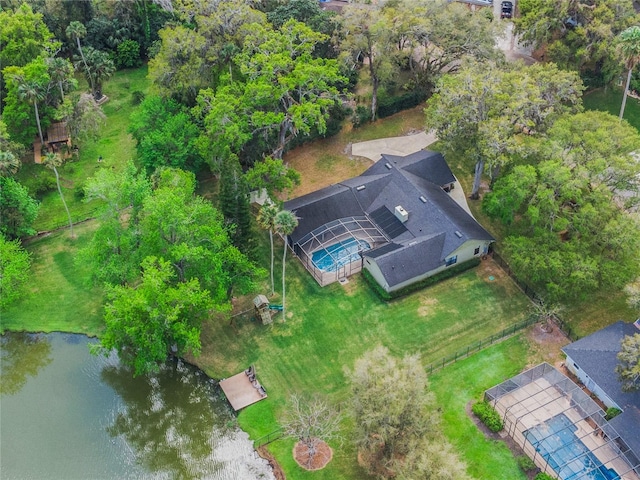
x=328 y=328
x=609 y=100
x=463 y=382
x=59 y=296
x=114 y=144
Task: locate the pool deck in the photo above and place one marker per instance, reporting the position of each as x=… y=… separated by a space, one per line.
x=240 y=391
x=536 y=403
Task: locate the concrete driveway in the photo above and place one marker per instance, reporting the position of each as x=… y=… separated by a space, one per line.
x=401 y=146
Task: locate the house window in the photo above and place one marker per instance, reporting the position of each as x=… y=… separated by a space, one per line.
x=451 y=260
x=476 y=251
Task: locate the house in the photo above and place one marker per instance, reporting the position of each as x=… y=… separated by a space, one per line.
x=397 y=220
x=593 y=360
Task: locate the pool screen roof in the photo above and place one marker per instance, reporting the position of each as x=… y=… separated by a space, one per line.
x=590 y=447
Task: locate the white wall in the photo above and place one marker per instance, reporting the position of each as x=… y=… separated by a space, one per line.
x=590 y=384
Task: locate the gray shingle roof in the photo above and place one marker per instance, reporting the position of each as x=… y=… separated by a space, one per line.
x=597 y=356
x=434 y=217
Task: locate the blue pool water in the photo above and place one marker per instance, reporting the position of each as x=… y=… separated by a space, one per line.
x=329 y=259
x=566 y=454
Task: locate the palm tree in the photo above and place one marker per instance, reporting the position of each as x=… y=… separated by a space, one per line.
x=267 y=221
x=285 y=223
x=101 y=68
x=31 y=92
x=629 y=47
x=77 y=30
x=61 y=72
x=9 y=164
x=53 y=161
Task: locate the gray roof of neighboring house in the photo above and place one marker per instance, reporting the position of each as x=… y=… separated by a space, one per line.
x=597 y=356
x=437 y=225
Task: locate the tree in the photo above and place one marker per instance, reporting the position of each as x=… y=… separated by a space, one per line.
x=286 y=91
x=392 y=408
x=10 y=152
x=234 y=203
x=17 y=209
x=23 y=36
x=628 y=368
x=32 y=93
x=86 y=119
x=28 y=91
x=629 y=46
x=61 y=72
x=53 y=161
x=568 y=234
x=367 y=34
x=577 y=35
x=311 y=422
x=165 y=135
x=267 y=221
x=157 y=317
x=15 y=263
x=272 y=175
x=77 y=30
x=632 y=290
x=481 y=112
x=100 y=68
x=430 y=459
x=285 y=222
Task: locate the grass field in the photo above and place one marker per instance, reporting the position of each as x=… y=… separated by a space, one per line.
x=114 y=144
x=609 y=100
x=465 y=381
x=59 y=297
x=328 y=328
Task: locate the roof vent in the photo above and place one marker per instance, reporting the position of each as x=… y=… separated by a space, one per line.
x=401 y=214
x=458 y=234
x=422 y=199
x=361 y=187
x=388 y=165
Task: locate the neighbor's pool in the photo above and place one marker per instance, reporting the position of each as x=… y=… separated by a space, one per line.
x=566 y=454
x=329 y=259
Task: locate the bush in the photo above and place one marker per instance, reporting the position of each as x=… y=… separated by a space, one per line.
x=137 y=97
x=525 y=463
x=44 y=181
x=448 y=273
x=488 y=415
x=127 y=54
x=544 y=476
x=361 y=116
x=391 y=105
x=612 y=412
x=78 y=192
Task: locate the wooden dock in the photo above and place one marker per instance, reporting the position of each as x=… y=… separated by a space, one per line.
x=241 y=391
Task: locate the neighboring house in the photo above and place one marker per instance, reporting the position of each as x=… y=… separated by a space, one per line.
x=397 y=220
x=593 y=360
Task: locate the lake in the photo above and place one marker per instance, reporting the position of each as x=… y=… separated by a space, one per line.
x=66 y=414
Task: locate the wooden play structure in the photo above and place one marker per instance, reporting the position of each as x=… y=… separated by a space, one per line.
x=263 y=310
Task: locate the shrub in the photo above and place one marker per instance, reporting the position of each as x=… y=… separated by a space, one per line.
x=389 y=106
x=361 y=116
x=127 y=54
x=137 y=97
x=612 y=412
x=543 y=476
x=488 y=415
x=78 y=192
x=525 y=463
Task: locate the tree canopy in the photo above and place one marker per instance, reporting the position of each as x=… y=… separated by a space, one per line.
x=628 y=368
x=15 y=263
x=568 y=235
x=18 y=209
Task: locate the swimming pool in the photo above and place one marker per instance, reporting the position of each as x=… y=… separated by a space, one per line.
x=330 y=258
x=566 y=454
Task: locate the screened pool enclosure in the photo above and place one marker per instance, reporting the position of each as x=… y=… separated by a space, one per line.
x=561 y=428
x=334 y=251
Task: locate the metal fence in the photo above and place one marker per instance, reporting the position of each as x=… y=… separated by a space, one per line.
x=479 y=345
x=271 y=437
x=528 y=291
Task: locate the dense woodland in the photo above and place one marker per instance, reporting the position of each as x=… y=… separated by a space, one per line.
x=236 y=84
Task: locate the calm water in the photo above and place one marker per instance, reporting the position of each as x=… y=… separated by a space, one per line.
x=65 y=414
